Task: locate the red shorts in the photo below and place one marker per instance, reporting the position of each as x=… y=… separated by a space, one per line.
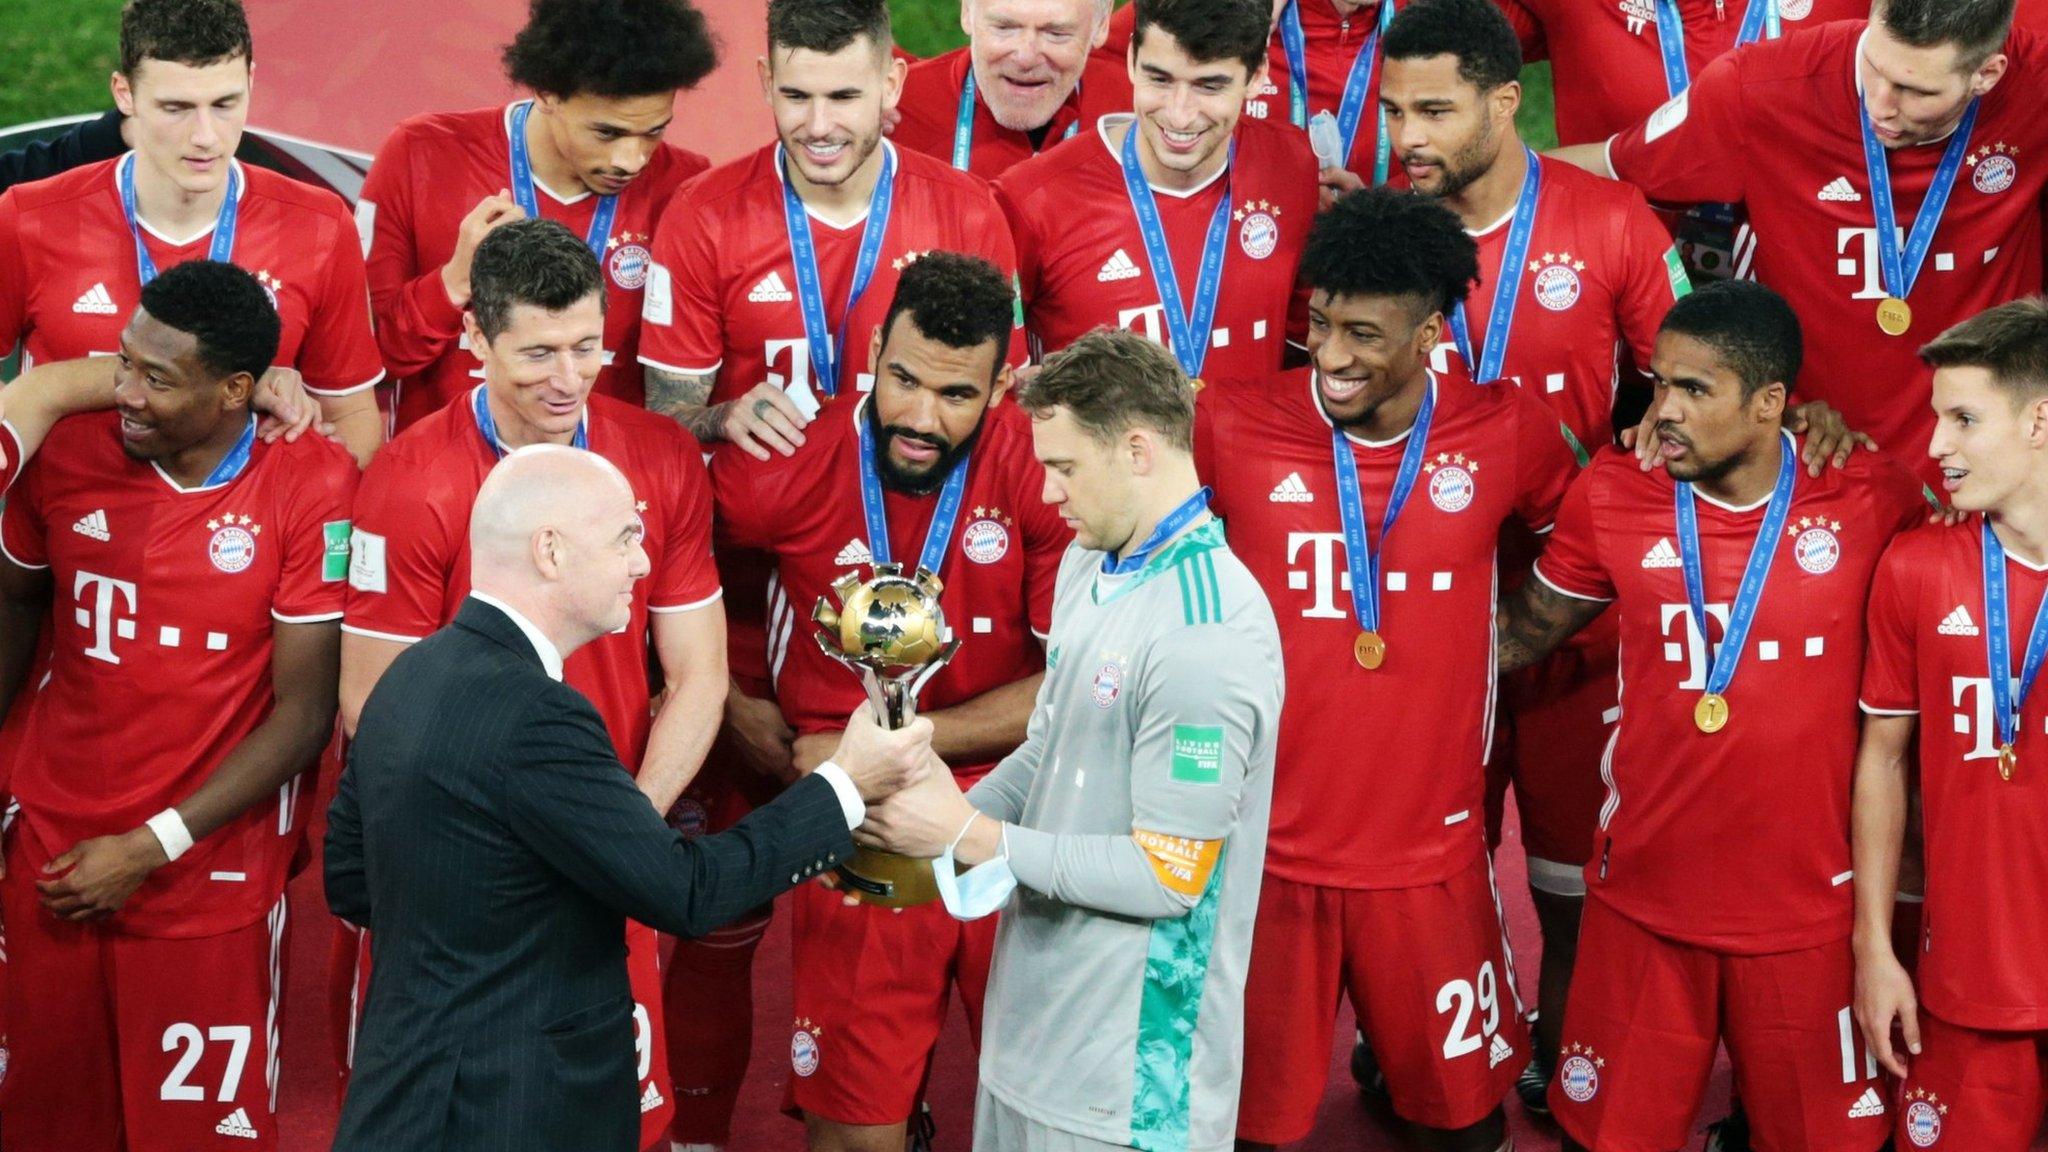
x=1972 y=1091
x=871 y=991
x=1556 y=721
x=1643 y=1020
x=1430 y=975
x=188 y=1061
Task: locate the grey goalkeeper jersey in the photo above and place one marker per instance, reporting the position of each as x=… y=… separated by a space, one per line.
x=1138 y=804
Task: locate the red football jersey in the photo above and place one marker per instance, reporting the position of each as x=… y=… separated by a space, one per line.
x=722 y=296
x=805 y=510
x=165 y=602
x=68 y=280
x=430 y=173
x=10 y=456
x=1987 y=877
x=1600 y=275
x=1775 y=126
x=1402 y=812
x=931 y=113
x=1607 y=61
x=1084 y=268
x=1736 y=841
x=410 y=566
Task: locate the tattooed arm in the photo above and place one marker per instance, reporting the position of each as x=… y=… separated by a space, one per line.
x=762 y=419
x=1535 y=619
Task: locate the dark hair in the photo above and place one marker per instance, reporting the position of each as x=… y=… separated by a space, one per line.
x=1748 y=326
x=960 y=301
x=536 y=262
x=1210 y=30
x=828 y=26
x=611 y=48
x=224 y=309
x=1976 y=27
x=194 y=32
x=1379 y=242
x=2009 y=341
x=1112 y=381
x=1474 y=31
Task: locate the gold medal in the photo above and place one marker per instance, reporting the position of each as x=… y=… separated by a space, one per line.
x=1894 y=315
x=1711 y=713
x=1370 y=650
x=2007 y=761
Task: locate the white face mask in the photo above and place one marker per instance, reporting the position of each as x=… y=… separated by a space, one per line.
x=980 y=890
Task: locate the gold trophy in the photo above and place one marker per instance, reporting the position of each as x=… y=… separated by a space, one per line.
x=891 y=631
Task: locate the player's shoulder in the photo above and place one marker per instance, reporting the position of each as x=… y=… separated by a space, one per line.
x=931 y=79
x=641 y=431
x=295 y=197
x=1884 y=480
x=1586 y=191
x=1262 y=144
x=81 y=440
x=425 y=443
x=1615 y=472
x=1212 y=587
x=1045 y=182
x=54 y=192
x=311 y=463
x=1928 y=549
x=725 y=186
x=1823 y=51
x=1272 y=401
x=671 y=167
x=436 y=131
x=940 y=180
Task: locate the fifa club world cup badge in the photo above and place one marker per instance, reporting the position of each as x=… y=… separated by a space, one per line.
x=1993 y=168
x=1815 y=544
x=629 y=260
x=1557 y=284
x=987 y=538
x=803 y=1047
x=1579 y=1073
x=1451 y=487
x=1924 y=1111
x=1258 y=228
x=233 y=546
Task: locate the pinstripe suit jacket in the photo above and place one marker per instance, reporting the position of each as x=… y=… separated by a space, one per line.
x=488 y=836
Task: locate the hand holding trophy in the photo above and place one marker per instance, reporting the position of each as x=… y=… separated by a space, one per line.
x=891 y=632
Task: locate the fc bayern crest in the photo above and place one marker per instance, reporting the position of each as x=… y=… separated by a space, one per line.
x=1795 y=9
x=1109 y=680
x=1994 y=168
x=986 y=540
x=1579 y=1075
x=689 y=818
x=629 y=261
x=1817 y=549
x=1451 y=486
x=803 y=1052
x=233 y=546
x=1923 y=1118
x=1557 y=285
x=1258 y=228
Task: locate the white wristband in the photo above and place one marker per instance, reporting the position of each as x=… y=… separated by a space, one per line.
x=170 y=831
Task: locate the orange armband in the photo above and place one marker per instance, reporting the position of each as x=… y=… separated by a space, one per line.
x=1181 y=864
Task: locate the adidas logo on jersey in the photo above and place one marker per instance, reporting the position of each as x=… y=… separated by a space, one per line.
x=1868 y=1104
x=1292 y=491
x=854 y=555
x=97 y=301
x=94 y=524
x=1498 y=1051
x=1662 y=555
x=771 y=290
x=1958 y=623
x=236 y=1125
x=1119 y=266
x=1840 y=191
x=650 y=1099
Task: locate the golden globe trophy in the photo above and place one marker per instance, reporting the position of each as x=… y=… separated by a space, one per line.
x=891 y=632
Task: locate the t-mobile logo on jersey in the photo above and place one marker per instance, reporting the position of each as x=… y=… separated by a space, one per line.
x=1857 y=259
x=1689 y=648
x=99 y=613
x=1974 y=718
x=1327 y=573
x=1150 y=322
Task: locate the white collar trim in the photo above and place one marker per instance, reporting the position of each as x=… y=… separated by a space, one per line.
x=550 y=656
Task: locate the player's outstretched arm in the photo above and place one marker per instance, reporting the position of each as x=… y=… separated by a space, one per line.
x=95 y=877
x=1591 y=157
x=763 y=419
x=357 y=423
x=691 y=648
x=1535 y=619
x=1884 y=991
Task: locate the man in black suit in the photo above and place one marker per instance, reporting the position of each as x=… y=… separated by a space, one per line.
x=488 y=836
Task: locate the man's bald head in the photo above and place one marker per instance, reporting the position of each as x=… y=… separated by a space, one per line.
x=555 y=532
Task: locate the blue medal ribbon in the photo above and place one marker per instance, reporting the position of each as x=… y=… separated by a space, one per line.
x=222 y=250
x=1365 y=561
x=1188 y=331
x=1357 y=86
x=232 y=464
x=1182 y=515
x=480 y=405
x=1759 y=22
x=600 y=234
x=963 y=124
x=1902 y=269
x=825 y=346
x=1721 y=666
x=1507 y=287
x=938 y=537
x=2007 y=697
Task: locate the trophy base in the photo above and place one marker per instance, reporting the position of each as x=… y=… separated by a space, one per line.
x=887 y=880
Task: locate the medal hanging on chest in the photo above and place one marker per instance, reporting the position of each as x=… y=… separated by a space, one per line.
x=1711 y=714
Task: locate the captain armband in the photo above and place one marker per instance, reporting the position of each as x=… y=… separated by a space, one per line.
x=1181 y=864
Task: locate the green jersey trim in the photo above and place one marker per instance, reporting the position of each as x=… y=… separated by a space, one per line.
x=1176 y=970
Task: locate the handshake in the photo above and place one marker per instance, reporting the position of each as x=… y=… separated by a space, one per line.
x=914 y=807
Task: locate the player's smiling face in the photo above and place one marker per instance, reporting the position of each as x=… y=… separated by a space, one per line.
x=1028 y=54
x=1916 y=95
x=186 y=120
x=1988 y=441
x=829 y=107
x=1368 y=350
x=540 y=369
x=1446 y=131
x=169 y=400
x=606 y=140
x=1706 y=428
x=928 y=402
x=1186 y=108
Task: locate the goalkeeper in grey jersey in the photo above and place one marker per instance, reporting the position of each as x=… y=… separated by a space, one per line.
x=1125 y=839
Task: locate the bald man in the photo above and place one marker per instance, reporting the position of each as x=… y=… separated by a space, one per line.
x=490 y=838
